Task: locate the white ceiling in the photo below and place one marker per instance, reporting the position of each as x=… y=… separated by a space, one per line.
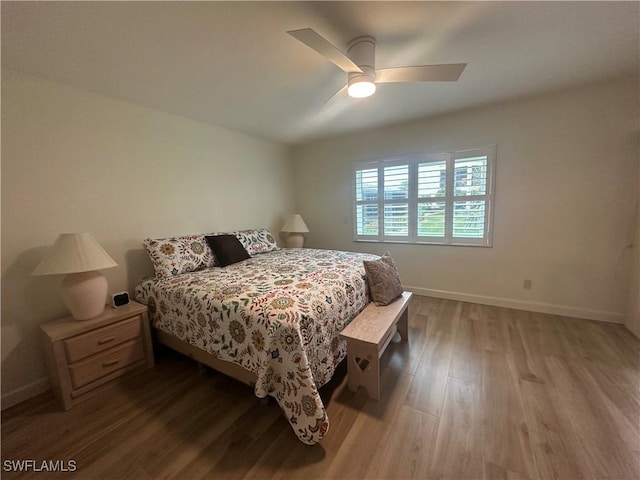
x=233 y=65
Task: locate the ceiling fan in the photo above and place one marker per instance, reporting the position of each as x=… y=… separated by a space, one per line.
x=360 y=64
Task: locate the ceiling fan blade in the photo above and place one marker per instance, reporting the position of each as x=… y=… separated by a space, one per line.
x=421 y=73
x=318 y=43
x=340 y=93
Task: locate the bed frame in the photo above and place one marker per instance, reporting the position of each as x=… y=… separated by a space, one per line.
x=228 y=368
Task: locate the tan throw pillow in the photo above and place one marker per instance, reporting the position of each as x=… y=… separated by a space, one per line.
x=383 y=279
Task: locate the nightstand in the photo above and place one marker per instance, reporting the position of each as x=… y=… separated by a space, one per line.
x=86 y=356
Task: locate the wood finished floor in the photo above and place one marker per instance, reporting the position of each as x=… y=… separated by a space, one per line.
x=479 y=393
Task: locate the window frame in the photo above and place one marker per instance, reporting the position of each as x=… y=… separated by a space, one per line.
x=449 y=199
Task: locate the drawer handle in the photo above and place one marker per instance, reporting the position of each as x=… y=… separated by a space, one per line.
x=110 y=362
x=102 y=341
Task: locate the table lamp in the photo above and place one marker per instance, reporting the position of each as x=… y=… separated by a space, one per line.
x=295 y=226
x=79 y=255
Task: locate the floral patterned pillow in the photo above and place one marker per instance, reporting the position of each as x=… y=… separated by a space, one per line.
x=258 y=240
x=176 y=255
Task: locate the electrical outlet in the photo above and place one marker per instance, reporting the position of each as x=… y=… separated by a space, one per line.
x=527 y=284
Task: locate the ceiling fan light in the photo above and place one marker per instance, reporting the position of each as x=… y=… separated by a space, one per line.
x=361 y=88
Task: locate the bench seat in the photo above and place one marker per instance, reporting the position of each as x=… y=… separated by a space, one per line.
x=367 y=338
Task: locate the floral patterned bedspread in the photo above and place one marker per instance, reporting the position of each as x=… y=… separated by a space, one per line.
x=277 y=314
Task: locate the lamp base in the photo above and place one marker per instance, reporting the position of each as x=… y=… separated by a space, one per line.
x=85 y=294
x=294 y=240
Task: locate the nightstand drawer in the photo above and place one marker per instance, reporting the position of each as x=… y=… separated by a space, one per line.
x=82 y=346
x=103 y=364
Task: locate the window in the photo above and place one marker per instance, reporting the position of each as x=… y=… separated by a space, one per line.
x=443 y=198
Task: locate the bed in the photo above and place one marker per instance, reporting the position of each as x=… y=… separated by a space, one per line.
x=271 y=321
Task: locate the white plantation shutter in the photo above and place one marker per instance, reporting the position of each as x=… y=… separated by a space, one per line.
x=396 y=201
x=430 y=208
x=470 y=199
x=443 y=198
x=367 y=202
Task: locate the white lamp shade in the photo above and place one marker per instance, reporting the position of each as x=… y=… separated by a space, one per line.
x=74 y=253
x=295 y=224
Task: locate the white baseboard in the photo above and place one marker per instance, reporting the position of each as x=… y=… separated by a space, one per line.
x=611 y=317
x=24 y=393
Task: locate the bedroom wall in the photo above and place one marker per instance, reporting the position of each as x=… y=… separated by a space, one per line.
x=74 y=161
x=566 y=189
x=632 y=317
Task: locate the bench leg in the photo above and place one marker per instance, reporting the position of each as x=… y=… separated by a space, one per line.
x=363 y=370
x=403 y=325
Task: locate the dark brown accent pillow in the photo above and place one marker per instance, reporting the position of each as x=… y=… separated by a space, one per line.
x=383 y=279
x=227 y=249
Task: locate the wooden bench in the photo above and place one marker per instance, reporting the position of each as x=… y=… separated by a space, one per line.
x=367 y=338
